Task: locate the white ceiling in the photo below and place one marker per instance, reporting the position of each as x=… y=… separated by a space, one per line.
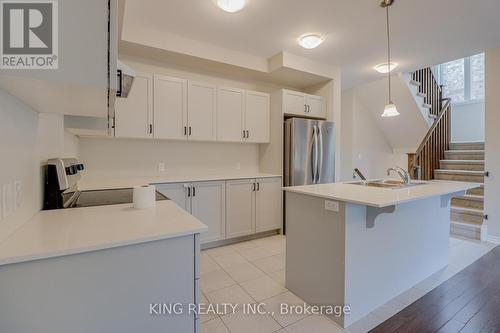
x=425 y=32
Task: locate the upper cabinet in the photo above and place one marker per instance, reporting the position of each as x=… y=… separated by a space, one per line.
x=257 y=114
x=134 y=114
x=166 y=107
x=242 y=115
x=170 y=108
x=305 y=105
x=201 y=111
x=230 y=114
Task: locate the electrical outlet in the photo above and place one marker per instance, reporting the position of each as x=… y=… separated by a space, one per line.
x=7 y=200
x=332 y=205
x=17 y=194
x=161 y=166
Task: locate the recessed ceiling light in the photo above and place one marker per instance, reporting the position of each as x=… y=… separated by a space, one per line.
x=231 y=6
x=310 y=41
x=384 y=69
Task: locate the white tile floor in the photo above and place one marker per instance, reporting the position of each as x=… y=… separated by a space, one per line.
x=253 y=272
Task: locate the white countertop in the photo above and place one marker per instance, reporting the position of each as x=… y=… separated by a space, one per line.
x=53 y=233
x=380 y=197
x=102 y=184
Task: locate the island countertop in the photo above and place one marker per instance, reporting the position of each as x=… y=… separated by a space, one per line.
x=53 y=233
x=380 y=197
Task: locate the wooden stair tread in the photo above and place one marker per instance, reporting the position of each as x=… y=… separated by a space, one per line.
x=473 y=197
x=460 y=172
x=466 y=224
x=415 y=83
x=465 y=151
x=467 y=210
x=463 y=161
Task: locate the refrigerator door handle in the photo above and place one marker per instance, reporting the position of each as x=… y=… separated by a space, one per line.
x=314 y=155
x=320 y=163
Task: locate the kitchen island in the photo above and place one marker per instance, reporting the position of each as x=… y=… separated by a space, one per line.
x=360 y=244
x=101 y=269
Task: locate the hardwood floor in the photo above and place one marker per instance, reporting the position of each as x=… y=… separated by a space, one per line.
x=469 y=302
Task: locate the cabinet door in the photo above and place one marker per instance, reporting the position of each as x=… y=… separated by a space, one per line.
x=230 y=109
x=240 y=207
x=294 y=102
x=170 y=107
x=268 y=206
x=208 y=205
x=257 y=113
x=317 y=106
x=134 y=114
x=201 y=111
x=177 y=192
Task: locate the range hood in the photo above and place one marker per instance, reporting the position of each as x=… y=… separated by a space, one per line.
x=125 y=77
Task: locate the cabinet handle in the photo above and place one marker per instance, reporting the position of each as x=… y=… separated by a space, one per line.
x=194 y=191
x=258 y=186
x=189 y=130
x=185 y=130
x=253 y=187
x=150 y=128
x=308 y=108
x=244 y=136
x=189 y=191
x=305 y=107
x=248 y=134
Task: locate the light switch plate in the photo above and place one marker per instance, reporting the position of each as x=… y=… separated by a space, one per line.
x=332 y=205
x=161 y=166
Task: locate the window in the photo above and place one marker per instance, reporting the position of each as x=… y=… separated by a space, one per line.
x=463 y=79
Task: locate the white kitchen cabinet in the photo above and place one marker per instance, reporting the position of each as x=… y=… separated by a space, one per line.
x=316 y=106
x=294 y=102
x=134 y=114
x=208 y=204
x=177 y=192
x=268 y=207
x=257 y=116
x=170 y=108
x=204 y=200
x=201 y=111
x=240 y=207
x=305 y=105
x=230 y=113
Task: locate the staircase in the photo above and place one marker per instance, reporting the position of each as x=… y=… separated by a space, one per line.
x=438 y=158
x=464 y=161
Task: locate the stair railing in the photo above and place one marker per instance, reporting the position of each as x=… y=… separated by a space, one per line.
x=432 y=90
x=425 y=160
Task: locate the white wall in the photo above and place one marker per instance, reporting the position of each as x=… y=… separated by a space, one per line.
x=467 y=122
x=492 y=136
x=27 y=139
x=364 y=145
x=121 y=158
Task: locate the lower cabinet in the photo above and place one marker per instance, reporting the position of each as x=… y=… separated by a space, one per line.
x=253 y=205
x=240 y=208
x=204 y=200
x=231 y=208
x=268 y=207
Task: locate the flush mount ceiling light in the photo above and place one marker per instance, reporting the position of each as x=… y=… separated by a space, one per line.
x=390 y=109
x=231 y=6
x=310 y=41
x=384 y=69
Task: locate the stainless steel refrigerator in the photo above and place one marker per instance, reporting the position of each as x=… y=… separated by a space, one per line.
x=309 y=152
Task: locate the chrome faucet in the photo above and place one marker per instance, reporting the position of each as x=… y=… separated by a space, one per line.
x=405 y=176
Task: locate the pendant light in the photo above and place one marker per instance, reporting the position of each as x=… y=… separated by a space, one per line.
x=390 y=109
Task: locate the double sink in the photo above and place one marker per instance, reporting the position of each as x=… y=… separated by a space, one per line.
x=388 y=183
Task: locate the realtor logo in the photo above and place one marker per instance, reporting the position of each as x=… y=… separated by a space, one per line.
x=29 y=35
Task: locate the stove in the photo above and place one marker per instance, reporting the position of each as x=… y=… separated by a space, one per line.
x=61 y=188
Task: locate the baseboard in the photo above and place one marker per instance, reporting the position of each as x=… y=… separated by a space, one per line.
x=494 y=239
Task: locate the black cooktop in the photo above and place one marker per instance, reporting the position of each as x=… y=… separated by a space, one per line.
x=104 y=197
